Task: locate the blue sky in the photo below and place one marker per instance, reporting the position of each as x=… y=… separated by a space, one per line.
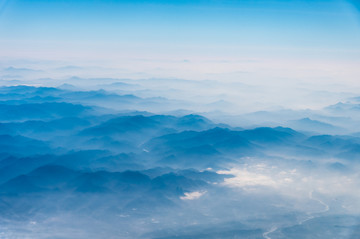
x=291 y=24
x=162 y=31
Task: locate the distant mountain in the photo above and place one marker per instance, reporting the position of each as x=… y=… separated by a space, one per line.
x=95 y=160
x=307 y=124
x=37 y=127
x=344 y=108
x=148 y=126
x=21 y=92
x=175 y=183
x=16 y=70
x=350 y=152
x=48 y=177
x=82 y=159
x=331 y=142
x=20 y=184
x=266 y=135
x=12 y=166
x=99 y=96
x=60 y=179
x=226 y=139
x=123 y=124
x=193 y=122
x=20 y=145
x=213 y=147
x=41 y=111
x=190 y=139
x=199 y=149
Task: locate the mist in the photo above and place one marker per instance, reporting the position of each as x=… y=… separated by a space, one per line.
x=114 y=161
x=179 y=119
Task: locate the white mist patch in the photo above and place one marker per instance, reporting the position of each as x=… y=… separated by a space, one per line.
x=245 y=178
x=193 y=195
x=259 y=175
x=299 y=184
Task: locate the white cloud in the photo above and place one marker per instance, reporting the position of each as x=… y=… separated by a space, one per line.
x=193 y=195
x=245 y=178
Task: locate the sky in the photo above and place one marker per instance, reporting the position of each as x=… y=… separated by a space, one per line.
x=272 y=42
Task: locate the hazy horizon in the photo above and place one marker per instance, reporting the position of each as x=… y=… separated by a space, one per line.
x=179 y=119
